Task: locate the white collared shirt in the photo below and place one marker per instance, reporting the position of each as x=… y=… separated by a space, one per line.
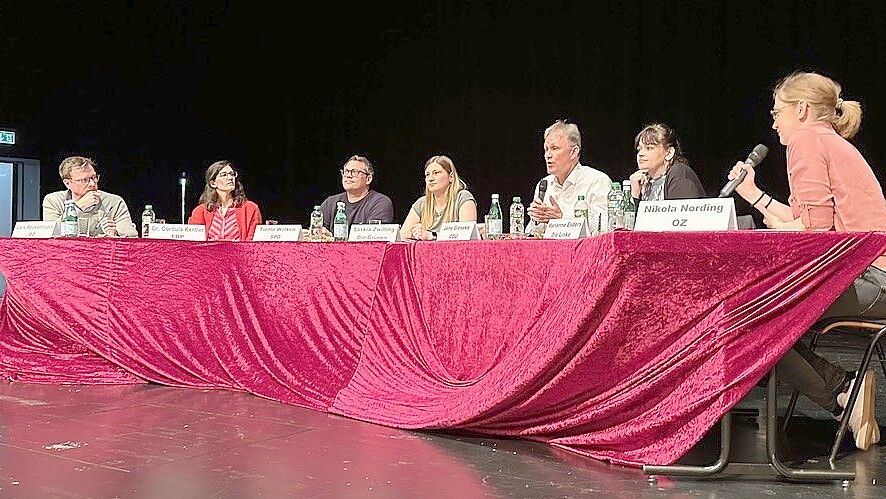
x=593 y=184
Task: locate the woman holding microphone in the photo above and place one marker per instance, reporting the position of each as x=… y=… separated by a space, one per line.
x=832 y=187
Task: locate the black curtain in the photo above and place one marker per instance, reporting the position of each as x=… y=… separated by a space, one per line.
x=151 y=88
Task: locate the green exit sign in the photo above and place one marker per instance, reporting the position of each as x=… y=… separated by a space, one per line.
x=7 y=137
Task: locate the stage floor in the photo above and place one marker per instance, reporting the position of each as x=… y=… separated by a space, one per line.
x=153 y=441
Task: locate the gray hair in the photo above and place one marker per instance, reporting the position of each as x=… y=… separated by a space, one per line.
x=570 y=130
x=362 y=159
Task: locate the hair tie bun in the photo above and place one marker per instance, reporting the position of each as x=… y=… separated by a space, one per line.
x=839 y=105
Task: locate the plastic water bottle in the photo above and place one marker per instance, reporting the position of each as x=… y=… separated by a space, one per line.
x=630 y=205
x=615 y=210
x=340 y=223
x=147 y=219
x=581 y=208
x=493 y=221
x=70 y=222
x=316 y=228
x=517 y=216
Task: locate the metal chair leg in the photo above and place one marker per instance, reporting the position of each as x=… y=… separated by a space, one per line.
x=814 y=343
x=882 y=358
x=771 y=448
x=853 y=395
x=699 y=471
x=790 y=410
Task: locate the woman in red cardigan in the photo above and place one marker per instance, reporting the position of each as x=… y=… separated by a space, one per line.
x=223 y=208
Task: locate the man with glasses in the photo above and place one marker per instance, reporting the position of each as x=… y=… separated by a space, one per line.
x=362 y=204
x=99 y=213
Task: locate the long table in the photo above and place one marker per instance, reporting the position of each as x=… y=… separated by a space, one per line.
x=625 y=347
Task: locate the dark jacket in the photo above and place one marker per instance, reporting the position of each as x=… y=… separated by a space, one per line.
x=682 y=183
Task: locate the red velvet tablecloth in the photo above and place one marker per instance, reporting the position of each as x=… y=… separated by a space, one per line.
x=626 y=347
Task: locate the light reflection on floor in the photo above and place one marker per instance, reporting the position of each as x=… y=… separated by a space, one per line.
x=152 y=441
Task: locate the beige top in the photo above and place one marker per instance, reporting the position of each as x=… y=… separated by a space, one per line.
x=110 y=206
x=463 y=197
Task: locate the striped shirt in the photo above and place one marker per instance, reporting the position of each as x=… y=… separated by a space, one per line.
x=224 y=227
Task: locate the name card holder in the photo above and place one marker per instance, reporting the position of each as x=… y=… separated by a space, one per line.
x=177 y=232
x=34 y=230
x=459 y=231
x=566 y=228
x=686 y=215
x=277 y=233
x=389 y=233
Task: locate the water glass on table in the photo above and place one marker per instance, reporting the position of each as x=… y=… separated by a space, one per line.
x=107 y=227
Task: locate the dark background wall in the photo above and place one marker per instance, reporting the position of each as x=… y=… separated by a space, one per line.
x=288 y=92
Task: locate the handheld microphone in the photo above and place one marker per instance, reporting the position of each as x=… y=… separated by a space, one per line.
x=754 y=159
x=183 y=182
x=542 y=189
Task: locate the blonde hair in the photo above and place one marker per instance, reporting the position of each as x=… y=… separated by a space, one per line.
x=450 y=214
x=73 y=163
x=822 y=95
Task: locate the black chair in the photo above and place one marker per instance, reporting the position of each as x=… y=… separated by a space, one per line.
x=875 y=326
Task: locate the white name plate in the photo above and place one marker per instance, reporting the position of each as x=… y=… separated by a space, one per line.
x=566 y=228
x=375 y=232
x=178 y=232
x=277 y=233
x=34 y=230
x=686 y=215
x=459 y=231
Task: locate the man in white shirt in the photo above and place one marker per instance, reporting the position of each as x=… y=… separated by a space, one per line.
x=567 y=180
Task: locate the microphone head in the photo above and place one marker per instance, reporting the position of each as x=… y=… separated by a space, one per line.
x=757 y=155
x=182 y=178
x=542 y=188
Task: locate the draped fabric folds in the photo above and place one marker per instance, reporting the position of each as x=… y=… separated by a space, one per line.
x=626 y=347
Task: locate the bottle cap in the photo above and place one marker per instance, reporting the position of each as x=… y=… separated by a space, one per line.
x=581 y=197
x=495 y=196
x=148 y=207
x=516 y=199
x=317 y=207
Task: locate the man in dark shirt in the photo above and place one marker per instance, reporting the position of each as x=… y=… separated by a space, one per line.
x=362 y=204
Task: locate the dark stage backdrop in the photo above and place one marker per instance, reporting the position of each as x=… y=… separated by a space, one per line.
x=152 y=88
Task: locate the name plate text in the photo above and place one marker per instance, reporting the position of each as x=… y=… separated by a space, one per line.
x=374 y=232
x=686 y=215
x=34 y=230
x=277 y=233
x=566 y=228
x=177 y=232
x=459 y=231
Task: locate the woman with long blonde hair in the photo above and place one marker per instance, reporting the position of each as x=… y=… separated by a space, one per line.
x=832 y=188
x=446 y=200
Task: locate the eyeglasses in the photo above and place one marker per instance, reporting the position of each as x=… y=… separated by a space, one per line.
x=227 y=174
x=85 y=181
x=775 y=112
x=352 y=173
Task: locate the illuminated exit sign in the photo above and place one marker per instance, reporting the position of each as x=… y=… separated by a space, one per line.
x=7 y=137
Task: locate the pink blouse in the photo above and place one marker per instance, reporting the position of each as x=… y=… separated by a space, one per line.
x=224 y=227
x=832 y=186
